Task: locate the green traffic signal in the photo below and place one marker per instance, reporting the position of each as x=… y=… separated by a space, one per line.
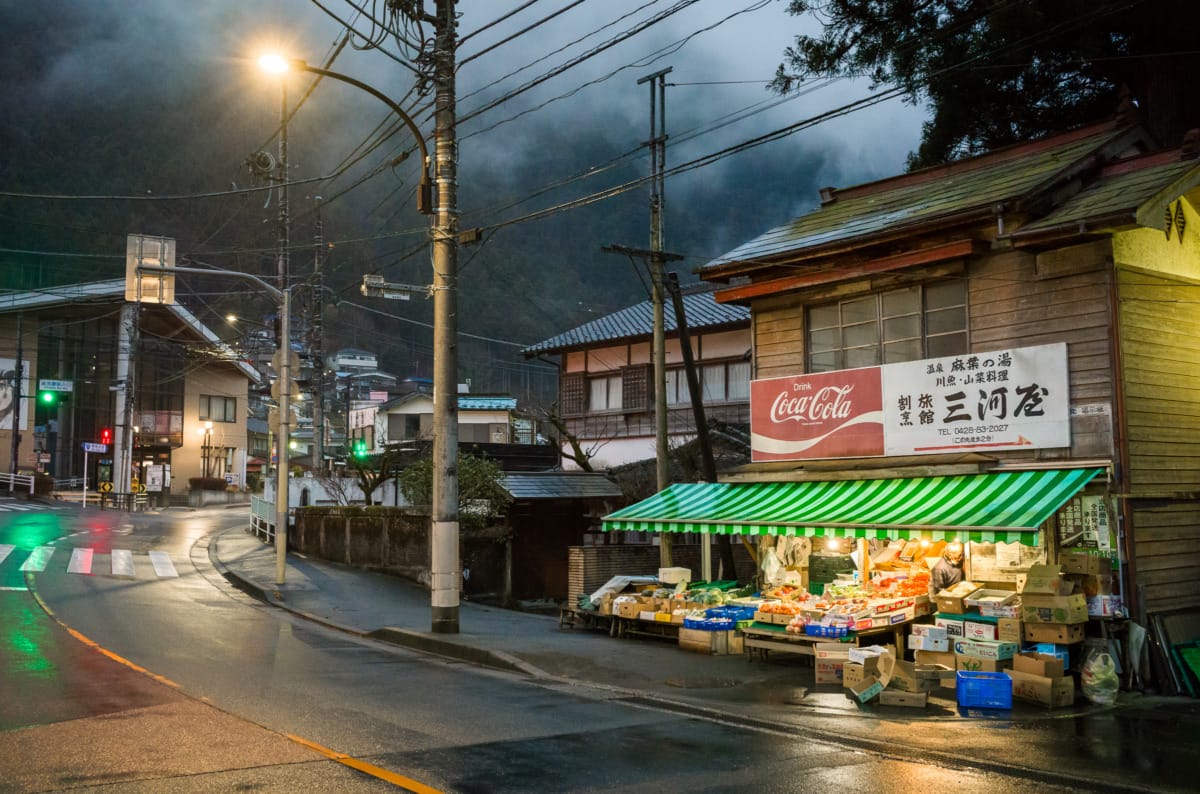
x=48 y=397
x=360 y=448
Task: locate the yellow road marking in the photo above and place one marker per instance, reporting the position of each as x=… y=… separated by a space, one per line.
x=354 y=763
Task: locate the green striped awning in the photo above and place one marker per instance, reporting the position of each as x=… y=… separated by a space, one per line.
x=988 y=508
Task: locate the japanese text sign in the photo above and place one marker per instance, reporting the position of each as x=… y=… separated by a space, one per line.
x=1006 y=399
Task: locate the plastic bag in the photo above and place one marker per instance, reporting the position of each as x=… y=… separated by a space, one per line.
x=1098 y=679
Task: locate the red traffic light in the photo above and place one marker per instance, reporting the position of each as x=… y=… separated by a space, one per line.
x=106 y=436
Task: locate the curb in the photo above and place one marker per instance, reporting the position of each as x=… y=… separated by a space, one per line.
x=405 y=638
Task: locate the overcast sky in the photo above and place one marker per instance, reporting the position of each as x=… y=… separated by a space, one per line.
x=107 y=55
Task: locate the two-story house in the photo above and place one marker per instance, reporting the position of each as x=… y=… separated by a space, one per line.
x=606 y=376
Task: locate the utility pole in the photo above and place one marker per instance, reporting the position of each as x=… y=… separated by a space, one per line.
x=658 y=159
x=284 y=351
x=445 y=575
x=317 y=347
x=18 y=373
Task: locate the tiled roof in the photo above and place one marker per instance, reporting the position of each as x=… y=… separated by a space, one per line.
x=1119 y=190
x=923 y=197
x=487 y=403
x=559 y=485
x=637 y=321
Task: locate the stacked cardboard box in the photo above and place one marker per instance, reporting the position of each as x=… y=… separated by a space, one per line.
x=1040 y=678
x=1050 y=610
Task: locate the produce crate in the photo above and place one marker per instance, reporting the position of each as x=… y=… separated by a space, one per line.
x=984 y=690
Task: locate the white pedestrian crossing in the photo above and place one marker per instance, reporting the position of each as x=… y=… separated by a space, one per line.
x=38 y=559
x=162 y=564
x=81 y=561
x=88 y=561
x=122 y=562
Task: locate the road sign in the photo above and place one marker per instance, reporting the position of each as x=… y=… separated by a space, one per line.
x=106 y=487
x=134 y=484
x=139 y=488
x=46 y=384
x=92 y=446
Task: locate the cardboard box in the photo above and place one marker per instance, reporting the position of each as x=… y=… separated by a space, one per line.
x=904 y=677
x=1084 y=562
x=1092 y=584
x=835 y=651
x=647 y=616
x=995 y=598
x=861 y=655
x=955 y=605
x=1054 y=609
x=976 y=665
x=954 y=626
x=939 y=658
x=894 y=697
x=919 y=643
x=974 y=630
x=1058 y=633
x=717 y=643
x=982 y=649
x=1046 y=580
x=1009 y=610
x=1008 y=629
x=674 y=575
x=827 y=672
x=1039 y=664
x=929 y=630
x=1050 y=692
x=628 y=609
x=867 y=689
x=852 y=674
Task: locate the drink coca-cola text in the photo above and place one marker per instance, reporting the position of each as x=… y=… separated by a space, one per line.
x=829 y=402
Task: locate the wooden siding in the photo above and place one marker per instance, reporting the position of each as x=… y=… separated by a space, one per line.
x=1160 y=351
x=1167 y=544
x=1016 y=299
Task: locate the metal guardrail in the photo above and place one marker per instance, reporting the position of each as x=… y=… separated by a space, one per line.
x=68 y=484
x=262 y=519
x=131 y=502
x=23 y=482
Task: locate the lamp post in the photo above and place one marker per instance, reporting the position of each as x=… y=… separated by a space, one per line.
x=445 y=568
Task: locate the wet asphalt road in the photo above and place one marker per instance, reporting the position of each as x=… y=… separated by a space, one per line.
x=234 y=679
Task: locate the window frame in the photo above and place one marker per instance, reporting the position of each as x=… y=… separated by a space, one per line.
x=881 y=321
x=205 y=412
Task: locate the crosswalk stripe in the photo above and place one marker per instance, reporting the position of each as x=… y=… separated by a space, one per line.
x=122 y=562
x=81 y=561
x=162 y=564
x=38 y=559
x=5 y=550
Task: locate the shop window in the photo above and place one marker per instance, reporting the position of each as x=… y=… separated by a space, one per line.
x=906 y=324
x=218 y=409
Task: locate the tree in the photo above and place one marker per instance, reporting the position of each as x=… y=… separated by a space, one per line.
x=995 y=73
x=374 y=471
x=481 y=493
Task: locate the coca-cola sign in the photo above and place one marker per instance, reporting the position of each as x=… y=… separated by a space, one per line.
x=829 y=415
x=1010 y=399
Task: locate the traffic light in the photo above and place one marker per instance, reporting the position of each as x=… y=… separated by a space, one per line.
x=360 y=448
x=106 y=436
x=48 y=398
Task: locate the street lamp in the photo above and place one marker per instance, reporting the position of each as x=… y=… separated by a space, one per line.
x=445 y=576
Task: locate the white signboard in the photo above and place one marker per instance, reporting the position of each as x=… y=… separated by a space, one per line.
x=1007 y=399
x=154 y=478
x=46 y=384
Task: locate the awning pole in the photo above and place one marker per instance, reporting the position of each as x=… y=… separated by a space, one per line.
x=706 y=557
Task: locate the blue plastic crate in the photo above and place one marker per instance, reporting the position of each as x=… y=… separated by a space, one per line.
x=984 y=690
x=709 y=624
x=734 y=613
